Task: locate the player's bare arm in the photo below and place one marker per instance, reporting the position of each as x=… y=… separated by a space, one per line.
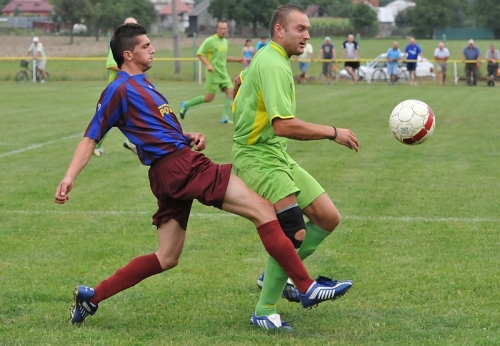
x=205 y=62
x=303 y=131
x=236 y=87
x=81 y=157
x=233 y=59
x=197 y=140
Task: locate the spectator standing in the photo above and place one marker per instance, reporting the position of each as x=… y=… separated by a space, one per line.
x=393 y=57
x=262 y=43
x=350 y=51
x=248 y=52
x=38 y=53
x=471 y=56
x=412 y=52
x=492 y=57
x=304 y=62
x=327 y=52
x=441 y=55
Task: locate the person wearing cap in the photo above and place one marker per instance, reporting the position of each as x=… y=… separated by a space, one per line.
x=38 y=53
x=492 y=57
x=327 y=52
x=441 y=55
x=471 y=56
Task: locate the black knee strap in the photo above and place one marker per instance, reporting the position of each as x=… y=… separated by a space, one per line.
x=292 y=220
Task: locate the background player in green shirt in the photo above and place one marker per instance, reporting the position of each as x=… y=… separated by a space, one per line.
x=213 y=54
x=113 y=70
x=264 y=114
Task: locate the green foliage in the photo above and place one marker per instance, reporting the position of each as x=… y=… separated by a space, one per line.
x=330 y=27
x=488 y=15
x=364 y=19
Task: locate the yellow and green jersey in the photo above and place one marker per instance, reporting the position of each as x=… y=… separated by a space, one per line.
x=110 y=63
x=267 y=91
x=214 y=48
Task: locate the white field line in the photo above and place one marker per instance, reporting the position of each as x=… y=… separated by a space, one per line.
x=36 y=146
x=39 y=145
x=222 y=214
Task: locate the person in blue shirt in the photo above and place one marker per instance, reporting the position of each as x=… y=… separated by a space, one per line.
x=412 y=52
x=262 y=43
x=393 y=56
x=472 y=55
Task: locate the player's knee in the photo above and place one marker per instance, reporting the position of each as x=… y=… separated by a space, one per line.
x=292 y=222
x=167 y=262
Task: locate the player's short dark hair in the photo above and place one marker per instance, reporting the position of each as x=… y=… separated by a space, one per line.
x=125 y=38
x=280 y=16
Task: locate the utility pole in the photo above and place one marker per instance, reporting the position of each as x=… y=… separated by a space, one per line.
x=175 y=24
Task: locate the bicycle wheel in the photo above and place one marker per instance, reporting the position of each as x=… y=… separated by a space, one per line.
x=21 y=77
x=361 y=75
x=379 y=76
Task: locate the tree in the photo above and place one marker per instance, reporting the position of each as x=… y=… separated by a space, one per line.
x=245 y=12
x=364 y=19
x=488 y=14
x=431 y=14
x=71 y=11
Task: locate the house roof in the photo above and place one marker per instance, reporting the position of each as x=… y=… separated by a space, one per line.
x=28 y=6
x=181 y=8
x=200 y=8
x=312 y=9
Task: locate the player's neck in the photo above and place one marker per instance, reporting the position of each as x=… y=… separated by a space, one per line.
x=132 y=69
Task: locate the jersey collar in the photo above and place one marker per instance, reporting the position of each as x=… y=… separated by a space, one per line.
x=278 y=48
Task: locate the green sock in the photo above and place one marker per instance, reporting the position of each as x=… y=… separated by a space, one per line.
x=195 y=101
x=99 y=145
x=226 y=114
x=314 y=236
x=275 y=277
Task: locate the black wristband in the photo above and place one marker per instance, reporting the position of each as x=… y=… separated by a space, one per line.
x=335 y=135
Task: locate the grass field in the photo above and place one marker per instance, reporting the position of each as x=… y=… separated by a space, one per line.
x=419 y=235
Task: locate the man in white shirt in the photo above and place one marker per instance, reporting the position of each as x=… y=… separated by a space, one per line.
x=492 y=57
x=351 y=54
x=441 y=55
x=304 y=62
x=38 y=54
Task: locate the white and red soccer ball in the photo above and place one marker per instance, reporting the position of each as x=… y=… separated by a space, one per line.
x=412 y=122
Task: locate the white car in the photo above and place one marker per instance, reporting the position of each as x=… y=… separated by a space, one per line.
x=376 y=70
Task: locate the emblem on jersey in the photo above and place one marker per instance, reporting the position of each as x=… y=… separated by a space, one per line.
x=98 y=107
x=164 y=109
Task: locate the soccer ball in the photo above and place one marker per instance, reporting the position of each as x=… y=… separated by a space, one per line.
x=412 y=122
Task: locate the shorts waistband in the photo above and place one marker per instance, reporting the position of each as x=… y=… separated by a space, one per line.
x=173 y=154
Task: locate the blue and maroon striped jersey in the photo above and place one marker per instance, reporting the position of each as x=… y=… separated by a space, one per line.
x=142 y=114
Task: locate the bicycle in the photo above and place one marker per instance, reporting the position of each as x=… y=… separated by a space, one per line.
x=27 y=74
x=335 y=73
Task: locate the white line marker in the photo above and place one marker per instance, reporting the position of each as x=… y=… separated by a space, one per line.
x=224 y=214
x=36 y=146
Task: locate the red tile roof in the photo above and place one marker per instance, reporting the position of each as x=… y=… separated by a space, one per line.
x=28 y=6
x=181 y=7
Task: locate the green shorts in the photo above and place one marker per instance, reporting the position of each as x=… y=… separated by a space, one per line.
x=273 y=174
x=222 y=85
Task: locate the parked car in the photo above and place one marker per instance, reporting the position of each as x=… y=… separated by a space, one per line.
x=79 y=29
x=376 y=70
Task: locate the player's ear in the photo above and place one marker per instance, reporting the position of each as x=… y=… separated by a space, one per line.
x=278 y=29
x=127 y=55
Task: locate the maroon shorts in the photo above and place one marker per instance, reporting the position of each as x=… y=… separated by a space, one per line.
x=182 y=176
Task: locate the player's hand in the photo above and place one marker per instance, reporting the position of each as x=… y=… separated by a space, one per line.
x=348 y=139
x=197 y=141
x=63 y=190
x=210 y=68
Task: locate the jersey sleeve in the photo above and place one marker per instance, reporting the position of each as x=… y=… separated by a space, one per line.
x=205 y=47
x=277 y=92
x=110 y=108
x=111 y=61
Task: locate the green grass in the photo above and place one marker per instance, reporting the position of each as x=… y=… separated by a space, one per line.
x=419 y=235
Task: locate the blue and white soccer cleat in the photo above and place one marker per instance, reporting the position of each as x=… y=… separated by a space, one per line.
x=82 y=307
x=130 y=146
x=183 y=110
x=270 y=322
x=322 y=290
x=290 y=292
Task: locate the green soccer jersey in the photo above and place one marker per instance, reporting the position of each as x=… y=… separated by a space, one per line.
x=267 y=91
x=110 y=63
x=214 y=48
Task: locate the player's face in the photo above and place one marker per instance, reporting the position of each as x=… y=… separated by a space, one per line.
x=296 y=33
x=221 y=30
x=143 y=53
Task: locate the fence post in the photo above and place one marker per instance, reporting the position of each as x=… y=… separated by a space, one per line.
x=194 y=56
x=456 y=72
x=199 y=72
